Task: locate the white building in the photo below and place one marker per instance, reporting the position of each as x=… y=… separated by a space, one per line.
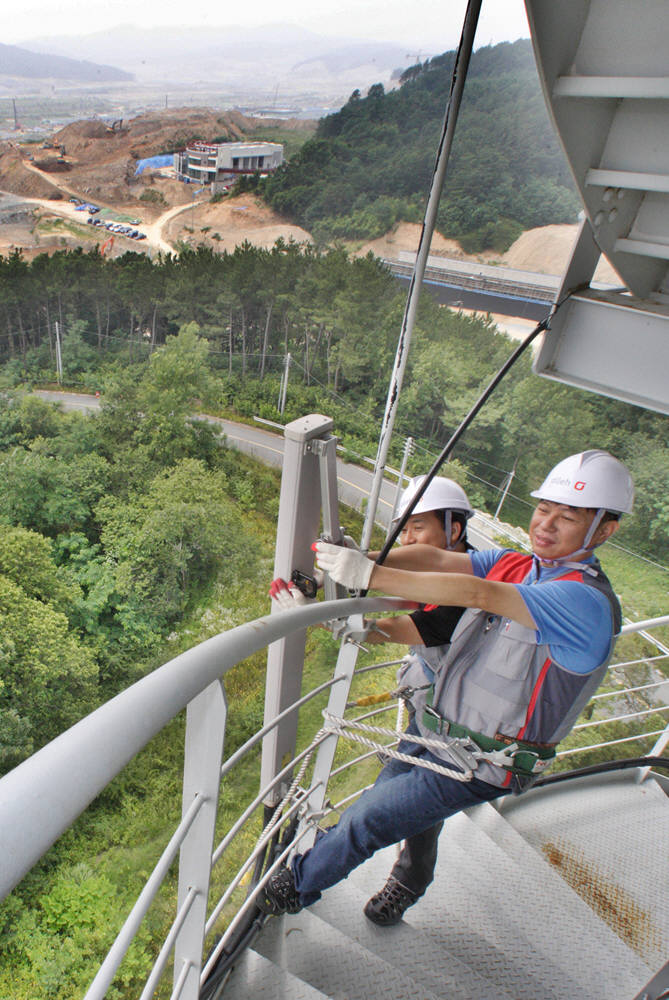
x=217 y=165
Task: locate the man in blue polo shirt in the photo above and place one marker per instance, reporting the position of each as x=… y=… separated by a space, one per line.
x=525 y=657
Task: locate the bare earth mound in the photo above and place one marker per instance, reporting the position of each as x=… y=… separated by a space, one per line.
x=546 y=250
x=228 y=223
x=17 y=177
x=405 y=237
x=98 y=162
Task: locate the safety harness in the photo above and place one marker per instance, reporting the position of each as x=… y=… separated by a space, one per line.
x=517 y=756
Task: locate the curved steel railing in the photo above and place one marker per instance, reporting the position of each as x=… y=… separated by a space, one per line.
x=43 y=796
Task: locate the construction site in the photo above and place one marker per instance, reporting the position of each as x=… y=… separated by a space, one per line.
x=46 y=186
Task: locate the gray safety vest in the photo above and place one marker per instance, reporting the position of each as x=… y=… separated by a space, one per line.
x=495 y=679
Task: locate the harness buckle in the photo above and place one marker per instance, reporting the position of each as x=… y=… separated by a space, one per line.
x=441 y=725
x=507 y=758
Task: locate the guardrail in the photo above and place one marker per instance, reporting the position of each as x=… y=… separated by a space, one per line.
x=43 y=796
x=504 y=286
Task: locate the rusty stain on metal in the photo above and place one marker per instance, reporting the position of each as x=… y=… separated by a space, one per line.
x=612 y=903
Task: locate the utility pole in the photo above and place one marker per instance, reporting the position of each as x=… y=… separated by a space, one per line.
x=408 y=450
x=509 y=480
x=283 y=387
x=59 y=358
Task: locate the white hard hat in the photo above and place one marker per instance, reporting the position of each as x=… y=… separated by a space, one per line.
x=441 y=494
x=590 y=479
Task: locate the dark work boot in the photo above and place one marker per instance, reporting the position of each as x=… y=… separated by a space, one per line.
x=387 y=906
x=279 y=894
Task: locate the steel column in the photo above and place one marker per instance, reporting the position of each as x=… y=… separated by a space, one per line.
x=205 y=733
x=297 y=527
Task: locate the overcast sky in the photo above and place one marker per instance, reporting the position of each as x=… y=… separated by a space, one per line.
x=426 y=26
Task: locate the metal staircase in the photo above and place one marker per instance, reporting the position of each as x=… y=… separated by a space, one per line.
x=557 y=895
x=561 y=893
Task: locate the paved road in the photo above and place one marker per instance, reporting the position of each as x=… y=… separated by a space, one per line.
x=354 y=482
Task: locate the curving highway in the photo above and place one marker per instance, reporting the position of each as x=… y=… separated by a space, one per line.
x=354 y=482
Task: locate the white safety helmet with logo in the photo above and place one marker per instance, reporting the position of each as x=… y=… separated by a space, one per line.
x=593 y=479
x=441 y=494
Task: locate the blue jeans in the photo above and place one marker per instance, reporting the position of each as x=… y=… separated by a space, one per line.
x=405 y=803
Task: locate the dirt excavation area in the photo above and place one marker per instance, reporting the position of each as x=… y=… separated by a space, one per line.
x=228 y=223
x=545 y=250
x=97 y=162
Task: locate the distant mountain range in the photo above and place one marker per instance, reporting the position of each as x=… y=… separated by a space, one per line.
x=278 y=56
x=20 y=62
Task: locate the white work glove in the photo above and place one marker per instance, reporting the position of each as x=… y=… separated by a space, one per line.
x=346 y=566
x=286 y=596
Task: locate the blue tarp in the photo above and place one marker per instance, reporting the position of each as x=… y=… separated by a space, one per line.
x=165 y=160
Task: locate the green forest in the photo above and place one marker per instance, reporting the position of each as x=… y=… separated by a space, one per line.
x=369 y=165
x=338 y=318
x=134 y=533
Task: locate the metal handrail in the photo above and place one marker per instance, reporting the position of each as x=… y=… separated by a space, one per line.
x=126 y=935
x=610 y=743
x=252 y=740
x=44 y=795
x=252 y=806
x=620 y=718
x=629 y=690
x=125 y=724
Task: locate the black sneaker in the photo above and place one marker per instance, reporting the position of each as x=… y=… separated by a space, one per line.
x=279 y=894
x=387 y=906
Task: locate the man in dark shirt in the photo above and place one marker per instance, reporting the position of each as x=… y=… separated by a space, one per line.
x=439 y=519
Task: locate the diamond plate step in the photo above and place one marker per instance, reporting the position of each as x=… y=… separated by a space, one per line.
x=332 y=962
x=551 y=923
x=467 y=916
x=415 y=952
x=609 y=841
x=254 y=976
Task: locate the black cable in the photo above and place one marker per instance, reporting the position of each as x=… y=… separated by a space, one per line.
x=508 y=364
x=610 y=765
x=255 y=920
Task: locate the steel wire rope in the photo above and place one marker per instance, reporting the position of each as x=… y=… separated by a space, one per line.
x=448 y=448
x=458 y=78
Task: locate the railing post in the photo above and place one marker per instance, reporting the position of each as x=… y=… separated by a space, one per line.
x=297 y=527
x=346 y=662
x=205 y=732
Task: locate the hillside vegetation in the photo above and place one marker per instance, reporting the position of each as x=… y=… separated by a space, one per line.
x=338 y=318
x=369 y=165
x=128 y=536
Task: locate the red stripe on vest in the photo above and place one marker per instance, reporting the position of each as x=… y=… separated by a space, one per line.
x=530 y=708
x=513 y=567
x=535 y=697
